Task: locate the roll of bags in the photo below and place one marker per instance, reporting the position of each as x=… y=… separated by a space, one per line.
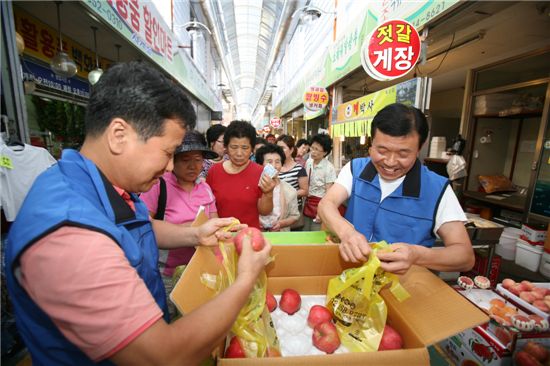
x=506 y=246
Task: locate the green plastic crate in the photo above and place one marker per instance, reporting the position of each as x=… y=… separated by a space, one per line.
x=296 y=237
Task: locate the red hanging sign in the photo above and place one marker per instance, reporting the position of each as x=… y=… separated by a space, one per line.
x=391 y=50
x=267 y=128
x=275 y=122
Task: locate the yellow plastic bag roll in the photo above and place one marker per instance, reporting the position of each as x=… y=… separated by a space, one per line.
x=360 y=312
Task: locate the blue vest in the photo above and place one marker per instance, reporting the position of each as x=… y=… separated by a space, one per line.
x=75 y=193
x=406 y=215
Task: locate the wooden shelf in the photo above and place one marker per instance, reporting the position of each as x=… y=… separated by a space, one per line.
x=436 y=160
x=513 y=202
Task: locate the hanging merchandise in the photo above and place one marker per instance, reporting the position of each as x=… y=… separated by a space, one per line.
x=20 y=164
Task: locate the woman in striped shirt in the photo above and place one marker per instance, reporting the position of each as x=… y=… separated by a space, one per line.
x=292 y=172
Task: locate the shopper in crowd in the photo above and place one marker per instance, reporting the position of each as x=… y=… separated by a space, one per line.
x=240 y=188
x=321 y=175
x=393 y=197
x=285 y=204
x=260 y=141
x=214 y=139
x=82 y=253
x=292 y=172
x=270 y=138
x=177 y=198
x=302 y=152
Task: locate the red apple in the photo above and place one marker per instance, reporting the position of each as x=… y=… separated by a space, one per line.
x=318 y=314
x=325 y=337
x=290 y=301
x=256 y=239
x=270 y=301
x=235 y=349
x=390 y=339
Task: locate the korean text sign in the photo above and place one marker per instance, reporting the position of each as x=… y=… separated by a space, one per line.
x=315 y=98
x=391 y=50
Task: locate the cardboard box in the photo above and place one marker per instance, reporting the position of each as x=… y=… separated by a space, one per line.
x=433 y=312
x=476 y=347
x=533 y=234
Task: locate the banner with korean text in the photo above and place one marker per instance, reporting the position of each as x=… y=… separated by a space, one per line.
x=141 y=24
x=354 y=118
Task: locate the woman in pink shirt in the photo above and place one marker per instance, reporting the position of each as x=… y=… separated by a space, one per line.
x=185 y=194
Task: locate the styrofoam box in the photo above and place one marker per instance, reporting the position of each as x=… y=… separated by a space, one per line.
x=528 y=255
x=506 y=252
x=524 y=304
x=295 y=336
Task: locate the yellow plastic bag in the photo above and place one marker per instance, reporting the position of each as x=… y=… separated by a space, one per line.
x=253 y=325
x=360 y=312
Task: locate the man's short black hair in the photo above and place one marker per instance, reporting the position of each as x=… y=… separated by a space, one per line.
x=325 y=141
x=269 y=149
x=142 y=96
x=240 y=129
x=401 y=120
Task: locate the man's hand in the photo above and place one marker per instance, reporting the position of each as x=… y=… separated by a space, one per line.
x=354 y=247
x=251 y=263
x=400 y=259
x=212 y=231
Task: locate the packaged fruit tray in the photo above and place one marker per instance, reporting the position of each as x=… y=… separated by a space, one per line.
x=522 y=303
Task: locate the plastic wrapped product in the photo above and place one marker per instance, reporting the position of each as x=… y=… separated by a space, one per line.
x=465 y=282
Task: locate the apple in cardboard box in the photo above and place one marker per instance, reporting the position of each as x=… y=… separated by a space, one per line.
x=235 y=349
x=290 y=301
x=270 y=301
x=390 y=339
x=325 y=337
x=318 y=314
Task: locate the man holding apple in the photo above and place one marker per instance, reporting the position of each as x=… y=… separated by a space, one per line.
x=82 y=254
x=393 y=197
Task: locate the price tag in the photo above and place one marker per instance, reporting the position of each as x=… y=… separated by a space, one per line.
x=5 y=161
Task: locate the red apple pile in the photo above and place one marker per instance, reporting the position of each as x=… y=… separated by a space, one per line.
x=539 y=297
x=256 y=239
x=532 y=354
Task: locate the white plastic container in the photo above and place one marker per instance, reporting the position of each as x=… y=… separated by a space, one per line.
x=528 y=255
x=506 y=252
x=544 y=267
x=506 y=246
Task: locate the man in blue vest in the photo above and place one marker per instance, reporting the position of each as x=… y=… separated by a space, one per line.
x=393 y=197
x=82 y=254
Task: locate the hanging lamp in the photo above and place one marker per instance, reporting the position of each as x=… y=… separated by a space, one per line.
x=94 y=75
x=61 y=64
